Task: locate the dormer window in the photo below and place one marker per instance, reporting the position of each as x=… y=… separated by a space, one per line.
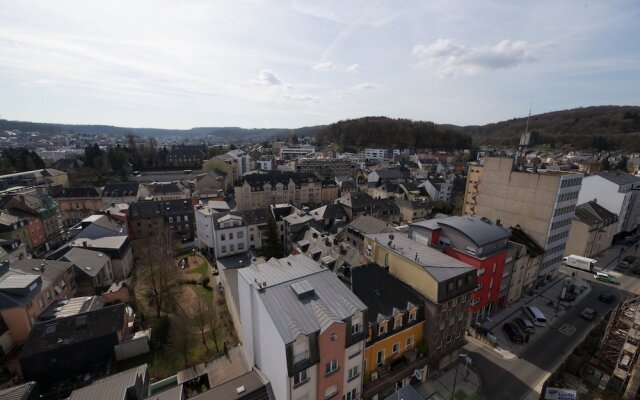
x=382 y=328
x=397 y=321
x=413 y=315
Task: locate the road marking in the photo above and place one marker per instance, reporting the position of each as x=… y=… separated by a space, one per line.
x=567 y=329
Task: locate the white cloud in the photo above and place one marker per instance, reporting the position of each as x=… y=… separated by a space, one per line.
x=452 y=59
x=358 y=88
x=323 y=66
x=267 y=78
x=353 y=68
x=305 y=98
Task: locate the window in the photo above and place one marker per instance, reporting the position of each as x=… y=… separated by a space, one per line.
x=355 y=327
x=352 y=395
x=223 y=236
x=454 y=302
x=48 y=295
x=231 y=247
x=240 y=246
x=395 y=348
x=410 y=342
x=170 y=220
x=380 y=357
x=331 y=367
x=251 y=238
x=353 y=373
x=300 y=378
x=382 y=328
x=230 y=235
x=397 y=322
x=41 y=303
x=452 y=320
x=330 y=392
x=412 y=315
x=480 y=271
x=240 y=235
x=178 y=218
x=186 y=218
x=224 y=249
x=450 y=286
x=461 y=316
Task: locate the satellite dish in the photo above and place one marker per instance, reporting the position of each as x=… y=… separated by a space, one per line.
x=417 y=374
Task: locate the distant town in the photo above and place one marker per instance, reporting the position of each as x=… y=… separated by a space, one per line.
x=288 y=267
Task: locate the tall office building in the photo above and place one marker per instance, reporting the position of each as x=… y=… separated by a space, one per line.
x=542 y=204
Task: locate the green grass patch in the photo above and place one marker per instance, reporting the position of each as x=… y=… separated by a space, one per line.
x=460 y=395
x=202 y=269
x=203 y=292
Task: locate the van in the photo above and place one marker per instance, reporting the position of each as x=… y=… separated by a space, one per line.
x=535 y=315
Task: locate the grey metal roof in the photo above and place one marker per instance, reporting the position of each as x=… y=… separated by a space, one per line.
x=437 y=264
x=367 y=224
x=248 y=386
x=112 y=387
x=325 y=300
x=480 y=230
x=18 y=281
x=110 y=242
x=89 y=262
x=175 y=393
x=19 y=392
x=619 y=177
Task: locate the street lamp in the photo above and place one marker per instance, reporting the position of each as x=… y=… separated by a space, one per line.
x=467 y=361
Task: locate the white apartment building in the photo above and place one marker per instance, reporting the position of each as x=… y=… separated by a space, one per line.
x=224 y=234
x=618 y=192
x=302 y=328
x=239 y=160
x=372 y=154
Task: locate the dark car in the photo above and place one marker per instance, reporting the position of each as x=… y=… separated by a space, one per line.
x=588 y=314
x=513 y=332
x=606 y=297
x=629 y=259
x=569 y=297
x=525 y=325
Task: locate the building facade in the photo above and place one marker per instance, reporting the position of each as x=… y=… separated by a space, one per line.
x=542 y=204
x=326 y=168
x=592 y=230
x=262 y=190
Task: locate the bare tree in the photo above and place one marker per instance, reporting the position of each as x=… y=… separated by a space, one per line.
x=213 y=327
x=201 y=318
x=181 y=339
x=157 y=271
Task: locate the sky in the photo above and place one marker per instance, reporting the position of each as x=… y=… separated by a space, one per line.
x=288 y=64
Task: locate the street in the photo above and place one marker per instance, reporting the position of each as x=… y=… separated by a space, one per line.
x=514 y=379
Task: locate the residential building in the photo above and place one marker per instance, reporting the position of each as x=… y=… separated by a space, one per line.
x=77 y=203
x=412 y=210
x=296 y=151
x=326 y=168
x=131 y=384
x=147 y=218
x=12 y=250
x=230 y=235
x=329 y=191
x=186 y=156
x=255 y=221
x=123 y=192
x=377 y=155
x=265 y=163
x=543 y=205
x=357 y=229
x=168 y=191
x=393 y=175
x=92 y=269
x=68 y=346
x=97 y=226
x=444 y=283
x=15 y=228
x=48 y=176
x=212 y=182
x=302 y=328
x=478 y=243
x=527 y=257
x=396 y=327
x=39 y=205
x=117 y=248
x=618 y=192
x=27 y=288
x=592 y=230
x=357 y=204
x=438 y=189
x=239 y=161
x=263 y=189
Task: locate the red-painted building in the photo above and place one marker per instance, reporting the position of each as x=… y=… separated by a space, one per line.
x=36 y=233
x=479 y=243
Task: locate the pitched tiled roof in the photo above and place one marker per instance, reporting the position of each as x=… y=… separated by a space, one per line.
x=274 y=177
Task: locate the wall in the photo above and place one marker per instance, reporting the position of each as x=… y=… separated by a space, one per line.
x=330 y=350
x=386 y=344
x=595 y=187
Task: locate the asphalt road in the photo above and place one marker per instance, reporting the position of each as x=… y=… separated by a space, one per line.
x=513 y=379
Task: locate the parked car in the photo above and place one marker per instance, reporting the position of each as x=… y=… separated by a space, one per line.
x=513 y=332
x=602 y=277
x=588 y=314
x=622 y=265
x=606 y=297
x=569 y=297
x=525 y=325
x=629 y=259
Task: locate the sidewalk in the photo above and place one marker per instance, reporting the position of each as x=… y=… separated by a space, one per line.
x=608 y=258
x=439 y=385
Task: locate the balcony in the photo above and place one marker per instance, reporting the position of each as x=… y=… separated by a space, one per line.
x=399 y=368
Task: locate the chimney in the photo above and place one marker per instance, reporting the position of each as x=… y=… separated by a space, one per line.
x=42 y=268
x=498 y=222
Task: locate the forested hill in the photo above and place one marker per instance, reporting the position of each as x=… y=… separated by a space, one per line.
x=599 y=128
x=221 y=133
x=394 y=133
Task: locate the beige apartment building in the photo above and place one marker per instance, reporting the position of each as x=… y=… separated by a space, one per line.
x=542 y=203
x=274 y=187
x=592 y=230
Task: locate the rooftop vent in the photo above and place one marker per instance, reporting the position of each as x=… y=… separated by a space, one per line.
x=240 y=389
x=87 y=268
x=302 y=289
